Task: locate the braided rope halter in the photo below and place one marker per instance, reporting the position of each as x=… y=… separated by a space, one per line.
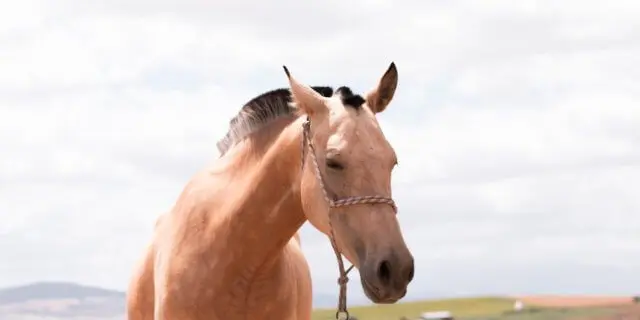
x=336 y=203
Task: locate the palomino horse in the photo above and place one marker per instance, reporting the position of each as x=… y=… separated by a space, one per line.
x=229 y=248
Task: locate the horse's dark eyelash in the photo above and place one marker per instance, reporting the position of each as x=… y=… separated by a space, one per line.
x=333 y=164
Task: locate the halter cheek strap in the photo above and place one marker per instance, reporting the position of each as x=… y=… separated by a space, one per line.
x=344 y=202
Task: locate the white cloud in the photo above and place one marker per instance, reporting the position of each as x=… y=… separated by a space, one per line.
x=524 y=152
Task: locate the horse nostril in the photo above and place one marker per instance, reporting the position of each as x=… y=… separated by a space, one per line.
x=384 y=272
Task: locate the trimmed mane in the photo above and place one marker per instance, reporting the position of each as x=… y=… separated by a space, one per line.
x=259 y=112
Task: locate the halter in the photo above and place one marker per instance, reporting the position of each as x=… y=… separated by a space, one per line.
x=337 y=203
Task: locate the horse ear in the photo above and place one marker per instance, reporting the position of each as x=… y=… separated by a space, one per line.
x=379 y=98
x=307 y=99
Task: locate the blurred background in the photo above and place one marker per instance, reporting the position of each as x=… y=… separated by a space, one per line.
x=516 y=123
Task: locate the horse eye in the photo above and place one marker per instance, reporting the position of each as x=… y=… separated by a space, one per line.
x=333 y=164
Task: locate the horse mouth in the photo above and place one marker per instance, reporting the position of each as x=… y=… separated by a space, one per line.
x=375 y=295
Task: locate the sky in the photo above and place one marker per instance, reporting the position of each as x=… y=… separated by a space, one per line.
x=516 y=124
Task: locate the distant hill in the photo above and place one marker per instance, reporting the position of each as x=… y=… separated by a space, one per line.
x=53 y=290
x=60 y=300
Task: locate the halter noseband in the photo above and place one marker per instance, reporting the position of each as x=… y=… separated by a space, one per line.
x=337 y=203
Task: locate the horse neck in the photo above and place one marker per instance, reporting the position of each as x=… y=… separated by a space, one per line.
x=269 y=209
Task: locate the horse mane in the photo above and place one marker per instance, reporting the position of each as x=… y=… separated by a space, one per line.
x=260 y=112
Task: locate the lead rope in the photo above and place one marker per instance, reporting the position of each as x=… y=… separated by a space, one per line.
x=343 y=278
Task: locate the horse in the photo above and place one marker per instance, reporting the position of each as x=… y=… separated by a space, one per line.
x=229 y=248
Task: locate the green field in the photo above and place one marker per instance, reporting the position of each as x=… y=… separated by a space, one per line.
x=550 y=314
x=462 y=307
x=484 y=308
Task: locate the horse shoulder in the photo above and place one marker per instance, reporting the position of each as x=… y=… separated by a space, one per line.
x=141 y=292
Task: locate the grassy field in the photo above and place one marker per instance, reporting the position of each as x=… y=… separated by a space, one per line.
x=577 y=313
x=484 y=308
x=462 y=307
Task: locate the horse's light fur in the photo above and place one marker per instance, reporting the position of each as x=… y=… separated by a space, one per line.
x=229 y=248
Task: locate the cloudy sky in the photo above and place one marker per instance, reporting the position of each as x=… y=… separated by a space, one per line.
x=517 y=125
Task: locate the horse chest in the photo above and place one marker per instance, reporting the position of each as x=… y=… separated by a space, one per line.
x=283 y=291
x=279 y=291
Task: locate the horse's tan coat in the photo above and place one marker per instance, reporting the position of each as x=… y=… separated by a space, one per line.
x=229 y=248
